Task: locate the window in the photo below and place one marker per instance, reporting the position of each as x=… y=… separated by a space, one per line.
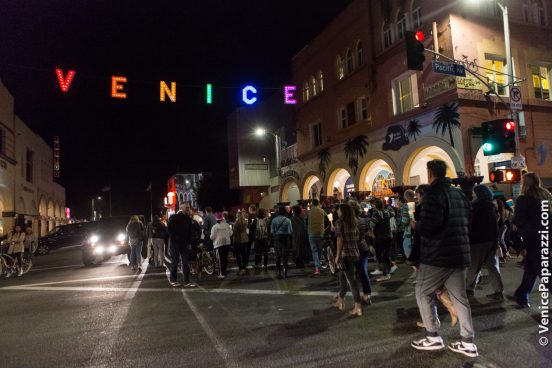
x=321 y=80
x=401 y=24
x=496 y=74
x=339 y=67
x=362 y=108
x=387 y=37
x=317 y=135
x=351 y=113
x=538 y=12
x=416 y=15
x=306 y=91
x=342 y=117
x=350 y=62
x=347 y=115
x=526 y=17
x=313 y=85
x=29 y=166
x=405 y=93
x=359 y=53
x=541 y=82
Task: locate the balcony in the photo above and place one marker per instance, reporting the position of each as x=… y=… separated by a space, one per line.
x=289 y=156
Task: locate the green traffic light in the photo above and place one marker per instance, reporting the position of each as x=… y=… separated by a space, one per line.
x=487 y=147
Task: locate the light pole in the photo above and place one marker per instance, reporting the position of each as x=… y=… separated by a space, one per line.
x=93 y=210
x=261 y=132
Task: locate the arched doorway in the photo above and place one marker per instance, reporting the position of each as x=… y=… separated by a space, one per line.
x=416 y=169
x=485 y=164
x=378 y=178
x=43 y=215
x=290 y=193
x=340 y=184
x=51 y=215
x=57 y=214
x=312 y=187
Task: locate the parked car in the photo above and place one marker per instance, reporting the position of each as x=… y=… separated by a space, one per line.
x=65 y=236
x=109 y=238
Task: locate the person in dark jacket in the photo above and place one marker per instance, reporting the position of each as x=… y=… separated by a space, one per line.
x=484 y=242
x=529 y=215
x=280 y=231
x=180 y=237
x=252 y=225
x=380 y=223
x=444 y=258
x=136 y=238
x=298 y=237
x=158 y=235
x=209 y=221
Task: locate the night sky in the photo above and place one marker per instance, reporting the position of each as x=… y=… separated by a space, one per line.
x=128 y=143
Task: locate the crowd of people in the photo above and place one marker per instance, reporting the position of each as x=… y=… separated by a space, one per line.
x=18 y=242
x=444 y=233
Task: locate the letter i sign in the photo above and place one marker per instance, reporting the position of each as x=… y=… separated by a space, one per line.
x=65 y=82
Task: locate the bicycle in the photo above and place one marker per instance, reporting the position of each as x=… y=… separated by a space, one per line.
x=206 y=261
x=7 y=261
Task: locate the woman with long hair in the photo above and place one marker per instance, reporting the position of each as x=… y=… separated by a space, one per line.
x=136 y=233
x=16 y=241
x=241 y=239
x=528 y=217
x=364 y=253
x=347 y=255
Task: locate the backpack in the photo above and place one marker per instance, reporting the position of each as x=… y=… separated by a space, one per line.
x=261 y=230
x=158 y=230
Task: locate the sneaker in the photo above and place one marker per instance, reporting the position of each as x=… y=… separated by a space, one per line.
x=221 y=276
x=383 y=278
x=174 y=283
x=9 y=275
x=317 y=272
x=20 y=273
x=466 y=348
x=393 y=269
x=376 y=273
x=429 y=343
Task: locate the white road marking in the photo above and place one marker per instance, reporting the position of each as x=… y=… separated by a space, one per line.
x=37 y=269
x=106 y=278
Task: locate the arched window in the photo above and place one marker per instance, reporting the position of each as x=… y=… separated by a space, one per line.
x=539 y=12
x=416 y=15
x=306 y=91
x=401 y=24
x=321 y=80
x=387 y=36
x=339 y=67
x=359 y=53
x=313 y=86
x=350 y=62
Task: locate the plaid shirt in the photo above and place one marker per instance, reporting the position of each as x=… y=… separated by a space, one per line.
x=350 y=239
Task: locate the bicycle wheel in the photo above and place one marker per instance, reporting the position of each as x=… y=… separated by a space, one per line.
x=27 y=265
x=3 y=266
x=331 y=259
x=208 y=263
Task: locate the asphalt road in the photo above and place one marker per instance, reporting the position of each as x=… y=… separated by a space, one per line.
x=63 y=314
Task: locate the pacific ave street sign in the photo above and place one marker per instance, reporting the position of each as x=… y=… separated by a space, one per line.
x=448 y=68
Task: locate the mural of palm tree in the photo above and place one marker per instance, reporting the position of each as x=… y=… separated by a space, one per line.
x=413 y=129
x=324 y=158
x=447 y=118
x=354 y=149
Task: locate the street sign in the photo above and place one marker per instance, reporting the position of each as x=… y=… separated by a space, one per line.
x=515 y=98
x=518 y=162
x=448 y=68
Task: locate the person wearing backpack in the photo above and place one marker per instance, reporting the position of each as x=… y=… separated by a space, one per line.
x=158 y=234
x=281 y=231
x=261 y=240
x=136 y=235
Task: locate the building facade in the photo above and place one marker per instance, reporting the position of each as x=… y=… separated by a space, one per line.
x=182 y=188
x=356 y=91
x=28 y=193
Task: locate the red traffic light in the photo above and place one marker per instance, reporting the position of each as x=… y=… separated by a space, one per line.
x=510 y=125
x=496 y=176
x=420 y=36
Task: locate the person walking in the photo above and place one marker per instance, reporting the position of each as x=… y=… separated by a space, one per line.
x=529 y=215
x=315 y=230
x=241 y=241
x=195 y=267
x=209 y=221
x=251 y=225
x=299 y=237
x=406 y=214
x=158 y=236
x=31 y=242
x=137 y=236
x=261 y=240
x=380 y=223
x=364 y=253
x=484 y=242
x=281 y=231
x=347 y=255
x=221 y=235
x=16 y=241
x=180 y=243
x=444 y=258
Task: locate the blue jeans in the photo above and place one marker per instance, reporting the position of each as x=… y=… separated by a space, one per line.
x=527 y=284
x=407 y=246
x=316 y=243
x=136 y=254
x=364 y=276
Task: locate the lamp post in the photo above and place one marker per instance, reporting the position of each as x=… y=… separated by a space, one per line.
x=93 y=210
x=261 y=132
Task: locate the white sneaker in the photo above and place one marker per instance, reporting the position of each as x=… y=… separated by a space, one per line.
x=428 y=343
x=393 y=269
x=376 y=273
x=466 y=348
x=9 y=275
x=20 y=273
x=383 y=278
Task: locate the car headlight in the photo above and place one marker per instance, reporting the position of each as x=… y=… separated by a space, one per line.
x=99 y=250
x=121 y=237
x=94 y=239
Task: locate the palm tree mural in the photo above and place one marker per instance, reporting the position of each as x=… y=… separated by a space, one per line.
x=354 y=149
x=447 y=118
x=413 y=129
x=324 y=158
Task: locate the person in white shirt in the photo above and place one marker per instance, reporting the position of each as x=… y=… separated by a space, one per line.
x=221 y=235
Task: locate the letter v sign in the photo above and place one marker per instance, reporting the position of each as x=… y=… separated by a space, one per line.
x=65 y=83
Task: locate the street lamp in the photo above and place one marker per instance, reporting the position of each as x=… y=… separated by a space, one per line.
x=93 y=210
x=261 y=132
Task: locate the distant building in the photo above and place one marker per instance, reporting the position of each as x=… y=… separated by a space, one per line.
x=182 y=188
x=28 y=193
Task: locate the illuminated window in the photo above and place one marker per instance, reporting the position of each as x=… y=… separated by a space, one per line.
x=362 y=108
x=314 y=86
x=405 y=93
x=316 y=130
x=321 y=80
x=29 y=165
x=387 y=36
x=350 y=62
x=541 y=82
x=342 y=117
x=416 y=15
x=339 y=67
x=401 y=24
x=359 y=53
x=477 y=167
x=496 y=74
x=306 y=91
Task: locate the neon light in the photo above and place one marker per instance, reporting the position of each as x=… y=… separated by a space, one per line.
x=65 y=83
x=289 y=93
x=115 y=87
x=245 y=95
x=164 y=90
x=209 y=92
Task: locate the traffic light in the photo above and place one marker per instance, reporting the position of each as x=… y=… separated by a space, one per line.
x=498 y=136
x=496 y=176
x=414 y=50
x=508 y=176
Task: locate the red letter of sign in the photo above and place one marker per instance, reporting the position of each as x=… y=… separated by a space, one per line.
x=116 y=87
x=65 y=83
